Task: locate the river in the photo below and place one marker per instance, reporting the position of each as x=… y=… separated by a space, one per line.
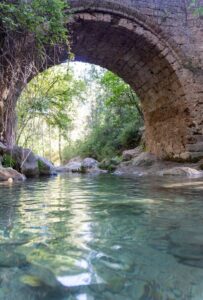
x=102 y=237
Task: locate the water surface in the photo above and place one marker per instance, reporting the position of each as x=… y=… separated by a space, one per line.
x=102 y=237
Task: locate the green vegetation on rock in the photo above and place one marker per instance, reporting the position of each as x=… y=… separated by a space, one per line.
x=8 y=161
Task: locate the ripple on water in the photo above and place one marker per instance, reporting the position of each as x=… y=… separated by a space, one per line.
x=102 y=237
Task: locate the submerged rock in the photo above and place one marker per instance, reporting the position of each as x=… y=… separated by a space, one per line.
x=39 y=275
x=10 y=259
x=8 y=173
x=187 y=247
x=181 y=171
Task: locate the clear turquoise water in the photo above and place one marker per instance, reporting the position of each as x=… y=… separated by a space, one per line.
x=103 y=237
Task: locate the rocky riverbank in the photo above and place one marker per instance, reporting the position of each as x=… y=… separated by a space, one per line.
x=17 y=164
x=141 y=163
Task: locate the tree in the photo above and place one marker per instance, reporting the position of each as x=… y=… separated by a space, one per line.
x=115 y=118
x=32 y=35
x=119 y=93
x=48 y=99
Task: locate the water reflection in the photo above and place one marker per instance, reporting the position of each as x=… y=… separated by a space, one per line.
x=102 y=237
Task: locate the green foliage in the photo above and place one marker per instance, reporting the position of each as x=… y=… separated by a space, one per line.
x=112 y=126
x=8 y=161
x=40 y=165
x=197 y=9
x=114 y=123
x=46 y=108
x=45 y=19
x=110 y=164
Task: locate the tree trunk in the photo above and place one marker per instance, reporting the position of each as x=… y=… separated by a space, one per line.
x=60 y=146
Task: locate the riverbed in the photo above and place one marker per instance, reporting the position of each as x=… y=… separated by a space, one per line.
x=102 y=237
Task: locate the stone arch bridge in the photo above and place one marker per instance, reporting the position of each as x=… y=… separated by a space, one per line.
x=157 y=47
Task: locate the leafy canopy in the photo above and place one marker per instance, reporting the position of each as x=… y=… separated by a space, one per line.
x=49 y=96
x=46 y=19
x=115 y=119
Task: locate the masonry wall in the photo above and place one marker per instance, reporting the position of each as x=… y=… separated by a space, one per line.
x=157 y=47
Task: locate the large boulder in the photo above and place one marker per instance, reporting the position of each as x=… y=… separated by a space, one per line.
x=29 y=166
x=130 y=154
x=145 y=159
x=9 y=173
x=181 y=171
x=45 y=166
x=24 y=161
x=89 y=163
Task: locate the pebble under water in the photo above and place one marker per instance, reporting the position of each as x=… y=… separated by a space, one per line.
x=102 y=238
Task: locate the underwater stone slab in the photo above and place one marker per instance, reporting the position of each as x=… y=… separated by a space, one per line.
x=181 y=171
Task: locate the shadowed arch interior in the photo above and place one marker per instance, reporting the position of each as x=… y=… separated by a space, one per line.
x=144 y=61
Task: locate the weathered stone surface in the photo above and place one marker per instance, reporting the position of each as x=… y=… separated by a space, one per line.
x=45 y=166
x=145 y=159
x=130 y=154
x=7 y=173
x=74 y=167
x=147 y=164
x=89 y=163
x=26 y=161
x=181 y=171
x=77 y=165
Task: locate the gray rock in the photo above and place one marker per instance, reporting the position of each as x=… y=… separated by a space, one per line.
x=145 y=159
x=45 y=166
x=2 y=148
x=25 y=161
x=9 y=259
x=130 y=154
x=198 y=147
x=96 y=171
x=29 y=163
x=6 y=173
x=190 y=156
x=181 y=171
x=89 y=163
x=74 y=167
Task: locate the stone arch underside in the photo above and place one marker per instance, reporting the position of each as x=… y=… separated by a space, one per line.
x=138 y=41
x=148 y=64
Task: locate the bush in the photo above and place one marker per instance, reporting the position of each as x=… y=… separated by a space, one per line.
x=8 y=161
